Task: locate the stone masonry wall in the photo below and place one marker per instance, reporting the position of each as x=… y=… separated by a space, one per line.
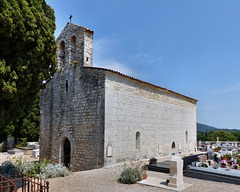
x=160 y=117
x=72 y=105
x=45 y=121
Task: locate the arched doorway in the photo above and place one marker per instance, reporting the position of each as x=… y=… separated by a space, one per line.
x=66 y=152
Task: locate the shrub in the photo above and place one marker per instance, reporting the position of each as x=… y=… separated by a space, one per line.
x=23 y=142
x=51 y=171
x=8 y=168
x=132 y=174
x=42 y=169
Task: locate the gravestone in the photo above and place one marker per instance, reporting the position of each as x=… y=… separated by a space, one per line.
x=210 y=154
x=200 y=143
x=236 y=144
x=160 y=149
x=208 y=147
x=176 y=172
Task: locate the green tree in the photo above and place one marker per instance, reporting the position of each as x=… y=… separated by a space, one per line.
x=237 y=135
x=27 y=55
x=27 y=126
x=223 y=136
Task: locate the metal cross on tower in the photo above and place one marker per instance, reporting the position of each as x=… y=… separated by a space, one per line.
x=70 y=18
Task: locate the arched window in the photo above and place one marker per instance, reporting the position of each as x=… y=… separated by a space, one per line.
x=186 y=136
x=61 y=54
x=173 y=145
x=73 y=49
x=137 y=140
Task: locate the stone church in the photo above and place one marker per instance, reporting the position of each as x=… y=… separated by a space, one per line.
x=94 y=117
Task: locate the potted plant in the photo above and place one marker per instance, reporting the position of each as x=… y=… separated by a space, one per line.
x=205 y=165
x=153 y=160
x=235 y=166
x=144 y=169
x=223 y=163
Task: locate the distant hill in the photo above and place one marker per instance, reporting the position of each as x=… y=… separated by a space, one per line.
x=203 y=127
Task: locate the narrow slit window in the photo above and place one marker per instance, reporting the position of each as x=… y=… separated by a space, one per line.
x=66 y=88
x=186 y=137
x=137 y=140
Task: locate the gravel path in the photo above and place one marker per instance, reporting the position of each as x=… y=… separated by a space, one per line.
x=105 y=180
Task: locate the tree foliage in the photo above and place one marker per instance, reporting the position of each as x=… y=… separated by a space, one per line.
x=222 y=135
x=27 y=55
x=212 y=136
x=237 y=135
x=27 y=126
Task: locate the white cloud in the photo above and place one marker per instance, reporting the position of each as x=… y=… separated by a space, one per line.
x=103 y=49
x=229 y=89
x=148 y=58
x=114 y=65
x=212 y=107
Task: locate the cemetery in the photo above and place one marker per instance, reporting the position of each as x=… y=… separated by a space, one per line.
x=217 y=164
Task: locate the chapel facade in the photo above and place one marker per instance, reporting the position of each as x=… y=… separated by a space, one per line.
x=94 y=117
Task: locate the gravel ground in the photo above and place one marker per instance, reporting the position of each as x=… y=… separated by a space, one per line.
x=105 y=180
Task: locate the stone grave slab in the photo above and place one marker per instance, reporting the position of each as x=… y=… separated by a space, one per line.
x=161 y=183
x=16 y=151
x=27 y=150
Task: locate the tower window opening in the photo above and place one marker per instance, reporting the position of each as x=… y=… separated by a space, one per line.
x=73 y=49
x=61 y=54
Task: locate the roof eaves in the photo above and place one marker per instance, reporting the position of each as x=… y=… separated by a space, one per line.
x=141 y=81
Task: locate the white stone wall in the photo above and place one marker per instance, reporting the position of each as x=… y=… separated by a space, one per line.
x=160 y=117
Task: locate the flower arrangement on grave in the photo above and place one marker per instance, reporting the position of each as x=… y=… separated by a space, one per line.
x=235 y=166
x=216 y=154
x=204 y=164
x=228 y=156
x=218 y=148
x=223 y=163
x=238 y=160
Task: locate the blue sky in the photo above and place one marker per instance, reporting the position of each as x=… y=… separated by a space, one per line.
x=189 y=46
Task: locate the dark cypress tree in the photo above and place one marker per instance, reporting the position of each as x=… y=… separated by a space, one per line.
x=27 y=55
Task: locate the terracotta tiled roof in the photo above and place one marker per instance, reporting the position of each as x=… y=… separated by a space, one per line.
x=81 y=27
x=167 y=90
